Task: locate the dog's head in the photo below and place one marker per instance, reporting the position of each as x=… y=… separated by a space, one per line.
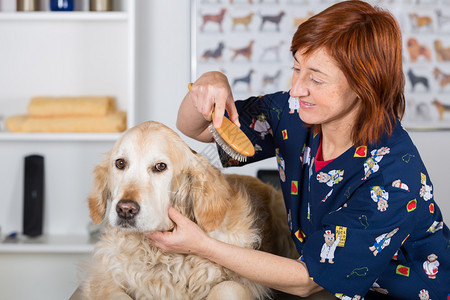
x=149 y=168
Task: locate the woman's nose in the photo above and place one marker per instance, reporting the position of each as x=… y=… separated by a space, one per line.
x=299 y=88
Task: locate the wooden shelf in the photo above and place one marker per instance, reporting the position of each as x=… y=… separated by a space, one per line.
x=48 y=244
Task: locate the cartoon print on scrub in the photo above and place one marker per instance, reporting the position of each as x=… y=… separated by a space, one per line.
x=261 y=125
x=380 y=196
x=363 y=221
x=306 y=157
x=424 y=295
x=426 y=191
x=281 y=164
x=289 y=216
x=331 y=178
x=232 y=162
x=407 y=157
x=371 y=164
x=359 y=272
x=327 y=196
x=377 y=288
x=310 y=172
x=278 y=111
x=395 y=256
x=435 y=226
x=294 y=105
x=430 y=266
x=399 y=184
x=382 y=242
x=329 y=247
x=345 y=297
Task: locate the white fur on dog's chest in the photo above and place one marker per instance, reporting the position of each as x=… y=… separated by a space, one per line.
x=147 y=273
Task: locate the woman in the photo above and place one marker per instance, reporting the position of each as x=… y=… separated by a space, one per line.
x=358 y=197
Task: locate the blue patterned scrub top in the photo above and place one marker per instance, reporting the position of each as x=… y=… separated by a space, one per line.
x=366 y=224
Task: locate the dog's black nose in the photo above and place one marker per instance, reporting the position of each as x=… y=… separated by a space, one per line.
x=127 y=209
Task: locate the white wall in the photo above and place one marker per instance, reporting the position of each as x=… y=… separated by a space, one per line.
x=164 y=70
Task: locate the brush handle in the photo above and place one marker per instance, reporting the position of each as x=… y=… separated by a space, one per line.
x=233 y=135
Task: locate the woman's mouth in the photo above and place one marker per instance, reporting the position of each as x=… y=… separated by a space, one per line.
x=306 y=105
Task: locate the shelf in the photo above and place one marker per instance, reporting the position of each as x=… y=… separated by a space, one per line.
x=59 y=137
x=49 y=244
x=64 y=16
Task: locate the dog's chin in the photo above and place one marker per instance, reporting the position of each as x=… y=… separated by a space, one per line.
x=126 y=225
x=132 y=226
x=160 y=228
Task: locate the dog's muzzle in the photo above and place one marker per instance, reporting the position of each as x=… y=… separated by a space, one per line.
x=126 y=211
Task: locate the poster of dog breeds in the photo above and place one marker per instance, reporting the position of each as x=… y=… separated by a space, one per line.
x=249 y=40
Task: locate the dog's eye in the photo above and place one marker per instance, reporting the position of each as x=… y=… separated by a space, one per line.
x=120 y=163
x=159 y=167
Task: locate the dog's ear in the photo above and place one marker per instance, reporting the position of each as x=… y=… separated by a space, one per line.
x=209 y=195
x=201 y=194
x=180 y=198
x=100 y=192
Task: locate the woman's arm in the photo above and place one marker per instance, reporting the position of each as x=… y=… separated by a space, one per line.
x=210 y=91
x=277 y=272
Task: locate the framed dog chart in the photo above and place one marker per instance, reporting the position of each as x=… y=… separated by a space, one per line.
x=249 y=41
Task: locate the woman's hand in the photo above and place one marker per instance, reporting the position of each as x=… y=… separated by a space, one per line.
x=213 y=92
x=186 y=237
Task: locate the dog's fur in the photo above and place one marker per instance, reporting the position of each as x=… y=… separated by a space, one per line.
x=150 y=168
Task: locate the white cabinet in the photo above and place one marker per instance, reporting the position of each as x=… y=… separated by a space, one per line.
x=60 y=54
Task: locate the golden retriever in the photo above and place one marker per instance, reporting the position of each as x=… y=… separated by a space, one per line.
x=149 y=168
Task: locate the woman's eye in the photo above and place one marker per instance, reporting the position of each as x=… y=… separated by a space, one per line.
x=120 y=163
x=159 y=167
x=315 y=81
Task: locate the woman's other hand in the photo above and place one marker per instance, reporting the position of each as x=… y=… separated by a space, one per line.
x=185 y=238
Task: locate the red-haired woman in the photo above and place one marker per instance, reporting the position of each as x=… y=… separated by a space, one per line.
x=358 y=197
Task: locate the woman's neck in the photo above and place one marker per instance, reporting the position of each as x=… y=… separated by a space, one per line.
x=335 y=142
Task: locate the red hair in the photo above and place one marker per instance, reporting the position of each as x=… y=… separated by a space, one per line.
x=366 y=44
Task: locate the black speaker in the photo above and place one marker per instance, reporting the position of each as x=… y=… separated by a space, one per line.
x=33 y=200
x=271 y=177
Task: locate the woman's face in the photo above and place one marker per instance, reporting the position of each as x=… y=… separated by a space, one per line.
x=323 y=92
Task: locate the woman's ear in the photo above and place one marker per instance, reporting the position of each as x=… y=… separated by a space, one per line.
x=100 y=192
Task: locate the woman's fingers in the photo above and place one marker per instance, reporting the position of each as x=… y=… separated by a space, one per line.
x=211 y=93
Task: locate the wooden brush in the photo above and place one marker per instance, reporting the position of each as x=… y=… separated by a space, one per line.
x=231 y=139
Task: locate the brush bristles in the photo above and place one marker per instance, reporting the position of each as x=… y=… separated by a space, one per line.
x=225 y=147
